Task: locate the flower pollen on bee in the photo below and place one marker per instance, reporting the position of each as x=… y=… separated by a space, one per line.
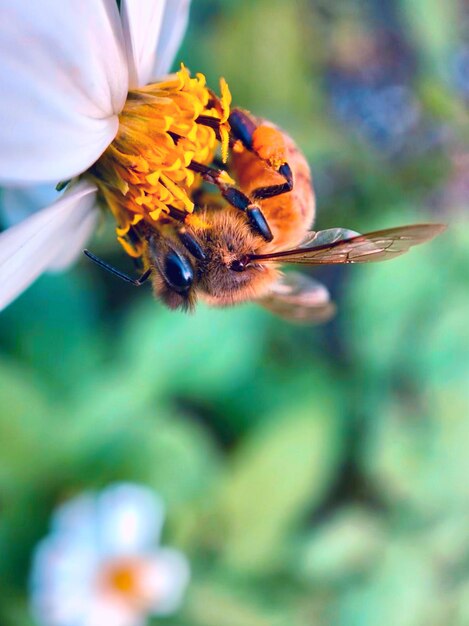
x=145 y=169
x=269 y=144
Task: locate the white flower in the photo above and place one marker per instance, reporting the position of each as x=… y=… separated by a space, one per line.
x=66 y=69
x=99 y=565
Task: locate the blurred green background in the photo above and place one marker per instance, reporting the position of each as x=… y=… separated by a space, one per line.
x=312 y=475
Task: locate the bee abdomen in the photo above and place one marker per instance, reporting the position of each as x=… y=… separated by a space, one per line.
x=291 y=214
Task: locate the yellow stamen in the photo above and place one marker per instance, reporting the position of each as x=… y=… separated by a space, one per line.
x=225 y=99
x=195 y=221
x=224 y=177
x=121 y=231
x=146 y=168
x=133 y=251
x=225 y=141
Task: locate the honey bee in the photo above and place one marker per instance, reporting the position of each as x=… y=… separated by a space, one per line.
x=232 y=248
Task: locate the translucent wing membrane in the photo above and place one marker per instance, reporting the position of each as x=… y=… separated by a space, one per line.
x=326 y=237
x=337 y=246
x=299 y=298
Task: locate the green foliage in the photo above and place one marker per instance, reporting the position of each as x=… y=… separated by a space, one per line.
x=282 y=469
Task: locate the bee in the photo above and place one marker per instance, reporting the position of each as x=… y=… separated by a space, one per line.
x=232 y=248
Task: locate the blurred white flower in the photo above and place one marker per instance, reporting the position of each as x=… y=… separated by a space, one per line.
x=66 y=69
x=100 y=564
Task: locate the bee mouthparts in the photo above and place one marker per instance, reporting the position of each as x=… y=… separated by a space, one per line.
x=239 y=265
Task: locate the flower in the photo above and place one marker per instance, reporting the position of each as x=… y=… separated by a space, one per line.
x=98 y=565
x=79 y=109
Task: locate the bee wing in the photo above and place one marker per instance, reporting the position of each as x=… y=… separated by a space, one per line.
x=337 y=246
x=326 y=237
x=35 y=244
x=299 y=298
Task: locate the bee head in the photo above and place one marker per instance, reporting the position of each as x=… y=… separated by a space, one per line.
x=210 y=262
x=227 y=276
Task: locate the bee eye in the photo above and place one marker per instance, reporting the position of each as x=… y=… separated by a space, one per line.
x=178 y=272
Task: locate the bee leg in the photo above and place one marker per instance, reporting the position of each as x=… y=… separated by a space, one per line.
x=244 y=129
x=211 y=122
x=218 y=163
x=186 y=237
x=261 y=193
x=253 y=212
x=190 y=242
x=235 y=197
x=133 y=281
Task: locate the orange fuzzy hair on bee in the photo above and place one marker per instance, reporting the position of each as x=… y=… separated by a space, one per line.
x=227 y=239
x=289 y=215
x=269 y=145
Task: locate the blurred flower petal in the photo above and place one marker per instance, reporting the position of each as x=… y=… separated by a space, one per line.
x=76 y=518
x=130 y=519
x=174 y=26
x=64 y=80
x=70 y=565
x=167 y=577
x=141 y=22
x=109 y=612
x=76 y=580
x=32 y=246
x=62 y=580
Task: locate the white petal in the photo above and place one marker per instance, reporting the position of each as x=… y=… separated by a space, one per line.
x=130 y=519
x=141 y=21
x=19 y=203
x=61 y=563
x=77 y=518
x=176 y=17
x=30 y=247
x=64 y=79
x=111 y=612
x=62 y=580
x=166 y=578
x=73 y=243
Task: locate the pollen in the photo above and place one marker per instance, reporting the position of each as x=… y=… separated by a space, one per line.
x=269 y=145
x=145 y=172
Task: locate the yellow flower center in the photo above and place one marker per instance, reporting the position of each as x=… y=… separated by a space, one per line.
x=162 y=129
x=127 y=579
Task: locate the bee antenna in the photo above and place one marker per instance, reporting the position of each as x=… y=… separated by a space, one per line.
x=112 y=270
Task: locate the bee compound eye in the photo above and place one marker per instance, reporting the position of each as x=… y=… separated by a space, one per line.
x=178 y=272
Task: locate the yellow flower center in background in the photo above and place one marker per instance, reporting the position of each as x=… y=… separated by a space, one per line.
x=127 y=580
x=124 y=580
x=162 y=128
